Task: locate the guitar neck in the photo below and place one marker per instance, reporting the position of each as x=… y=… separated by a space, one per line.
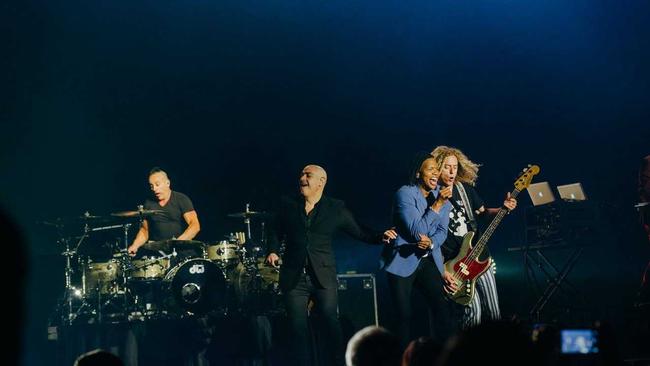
x=482 y=242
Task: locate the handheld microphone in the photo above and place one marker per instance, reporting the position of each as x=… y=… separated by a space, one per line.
x=451 y=199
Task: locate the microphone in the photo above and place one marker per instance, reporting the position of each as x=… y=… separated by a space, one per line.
x=451 y=199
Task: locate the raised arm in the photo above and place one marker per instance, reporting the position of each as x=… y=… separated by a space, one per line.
x=411 y=221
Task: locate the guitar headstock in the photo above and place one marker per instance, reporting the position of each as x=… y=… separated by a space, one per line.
x=526 y=177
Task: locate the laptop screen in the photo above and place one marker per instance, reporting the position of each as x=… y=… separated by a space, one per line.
x=540 y=193
x=572 y=192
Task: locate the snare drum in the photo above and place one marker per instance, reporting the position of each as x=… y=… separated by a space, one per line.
x=224 y=253
x=147 y=269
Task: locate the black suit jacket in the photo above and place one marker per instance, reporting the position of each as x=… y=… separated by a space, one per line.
x=312 y=240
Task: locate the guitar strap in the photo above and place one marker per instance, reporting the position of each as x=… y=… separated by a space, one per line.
x=469 y=210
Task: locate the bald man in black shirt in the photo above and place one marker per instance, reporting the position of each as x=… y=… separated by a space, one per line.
x=178 y=219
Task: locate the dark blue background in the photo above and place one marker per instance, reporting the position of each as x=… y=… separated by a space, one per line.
x=232 y=98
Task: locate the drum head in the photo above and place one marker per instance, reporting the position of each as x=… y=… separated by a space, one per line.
x=101 y=277
x=224 y=253
x=147 y=269
x=197 y=286
x=256 y=288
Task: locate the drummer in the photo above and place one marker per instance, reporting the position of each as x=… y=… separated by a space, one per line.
x=176 y=219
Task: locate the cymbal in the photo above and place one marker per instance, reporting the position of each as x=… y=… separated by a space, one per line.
x=169 y=245
x=72 y=220
x=242 y=215
x=136 y=213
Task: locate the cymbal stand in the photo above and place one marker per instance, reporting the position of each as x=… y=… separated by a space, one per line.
x=69 y=289
x=126 y=226
x=247 y=222
x=71 y=292
x=123 y=262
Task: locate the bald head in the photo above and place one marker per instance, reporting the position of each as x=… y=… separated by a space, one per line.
x=157 y=170
x=312 y=181
x=317 y=169
x=159 y=184
x=373 y=346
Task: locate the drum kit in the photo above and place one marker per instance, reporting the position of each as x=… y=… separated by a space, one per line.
x=184 y=278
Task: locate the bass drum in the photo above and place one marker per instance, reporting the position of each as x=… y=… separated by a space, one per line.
x=195 y=286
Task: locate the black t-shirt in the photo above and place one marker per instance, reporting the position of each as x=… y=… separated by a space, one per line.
x=459 y=223
x=170 y=223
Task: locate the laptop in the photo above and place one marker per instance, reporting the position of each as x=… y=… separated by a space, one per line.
x=572 y=192
x=540 y=193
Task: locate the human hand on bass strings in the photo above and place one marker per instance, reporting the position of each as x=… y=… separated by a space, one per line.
x=449 y=283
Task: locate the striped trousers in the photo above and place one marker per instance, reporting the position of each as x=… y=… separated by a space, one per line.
x=485 y=303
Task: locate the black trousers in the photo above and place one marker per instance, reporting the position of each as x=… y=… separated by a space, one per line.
x=428 y=280
x=326 y=305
